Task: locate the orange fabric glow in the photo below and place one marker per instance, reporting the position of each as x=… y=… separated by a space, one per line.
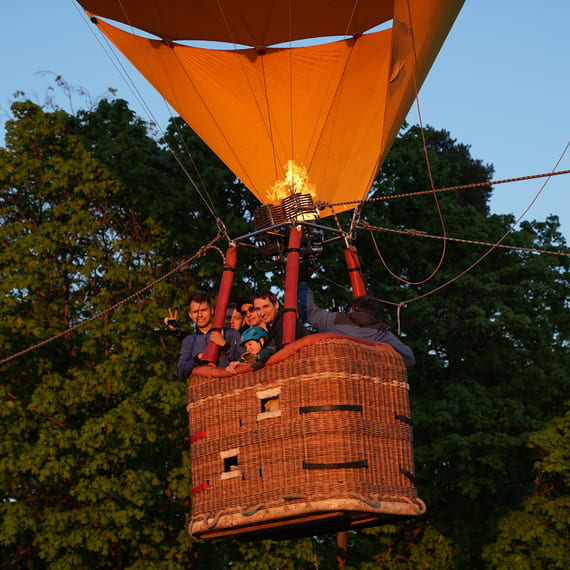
x=328 y=112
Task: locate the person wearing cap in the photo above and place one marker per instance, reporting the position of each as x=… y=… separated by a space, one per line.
x=253 y=340
x=251 y=317
x=360 y=322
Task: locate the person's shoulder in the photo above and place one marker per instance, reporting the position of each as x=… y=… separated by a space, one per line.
x=194 y=334
x=189 y=338
x=230 y=333
x=279 y=315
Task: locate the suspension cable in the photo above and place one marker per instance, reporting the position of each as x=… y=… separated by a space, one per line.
x=124 y=74
x=426 y=153
x=202 y=251
x=366 y=226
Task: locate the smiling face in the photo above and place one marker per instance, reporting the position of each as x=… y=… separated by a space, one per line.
x=266 y=310
x=250 y=315
x=253 y=346
x=201 y=315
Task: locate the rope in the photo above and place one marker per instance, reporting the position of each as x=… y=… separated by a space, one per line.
x=250 y=512
x=385 y=264
x=351 y=17
x=291 y=114
x=414 y=233
x=367 y=226
x=323 y=205
x=269 y=124
x=215 y=521
x=433 y=190
x=128 y=299
x=491 y=246
x=426 y=155
x=202 y=190
x=124 y=74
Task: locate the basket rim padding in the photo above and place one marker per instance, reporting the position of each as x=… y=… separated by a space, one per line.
x=283 y=354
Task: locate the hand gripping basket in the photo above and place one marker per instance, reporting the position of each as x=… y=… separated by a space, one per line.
x=317 y=441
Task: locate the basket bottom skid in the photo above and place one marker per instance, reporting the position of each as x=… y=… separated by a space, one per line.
x=303 y=519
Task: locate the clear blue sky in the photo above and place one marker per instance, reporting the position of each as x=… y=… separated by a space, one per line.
x=501 y=84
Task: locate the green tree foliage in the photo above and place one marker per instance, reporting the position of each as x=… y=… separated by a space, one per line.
x=94 y=462
x=536 y=535
x=94 y=469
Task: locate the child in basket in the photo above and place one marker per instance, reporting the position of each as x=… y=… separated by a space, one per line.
x=253 y=339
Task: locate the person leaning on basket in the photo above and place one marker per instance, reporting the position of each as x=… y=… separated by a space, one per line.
x=360 y=322
x=269 y=309
x=201 y=313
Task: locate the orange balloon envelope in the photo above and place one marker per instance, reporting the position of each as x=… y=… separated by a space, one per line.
x=310 y=118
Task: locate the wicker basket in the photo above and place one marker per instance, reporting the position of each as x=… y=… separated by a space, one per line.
x=318 y=442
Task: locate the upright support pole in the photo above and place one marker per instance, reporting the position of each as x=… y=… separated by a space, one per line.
x=212 y=351
x=341 y=549
x=353 y=265
x=291 y=286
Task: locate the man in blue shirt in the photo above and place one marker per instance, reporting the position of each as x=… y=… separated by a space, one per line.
x=201 y=313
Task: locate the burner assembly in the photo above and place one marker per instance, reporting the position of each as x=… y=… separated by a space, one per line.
x=272 y=223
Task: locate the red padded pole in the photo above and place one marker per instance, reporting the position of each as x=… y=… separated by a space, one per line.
x=213 y=350
x=353 y=265
x=291 y=286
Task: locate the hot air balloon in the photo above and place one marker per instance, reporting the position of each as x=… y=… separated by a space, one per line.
x=302 y=103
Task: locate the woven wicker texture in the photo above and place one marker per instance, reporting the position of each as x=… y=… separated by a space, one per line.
x=329 y=422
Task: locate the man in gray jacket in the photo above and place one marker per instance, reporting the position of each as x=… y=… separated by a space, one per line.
x=361 y=322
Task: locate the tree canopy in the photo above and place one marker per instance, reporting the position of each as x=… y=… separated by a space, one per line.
x=94 y=466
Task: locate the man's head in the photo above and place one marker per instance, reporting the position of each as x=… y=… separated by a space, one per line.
x=248 y=312
x=365 y=304
x=253 y=339
x=266 y=305
x=200 y=310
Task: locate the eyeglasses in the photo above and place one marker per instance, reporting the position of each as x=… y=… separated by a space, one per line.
x=246 y=311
